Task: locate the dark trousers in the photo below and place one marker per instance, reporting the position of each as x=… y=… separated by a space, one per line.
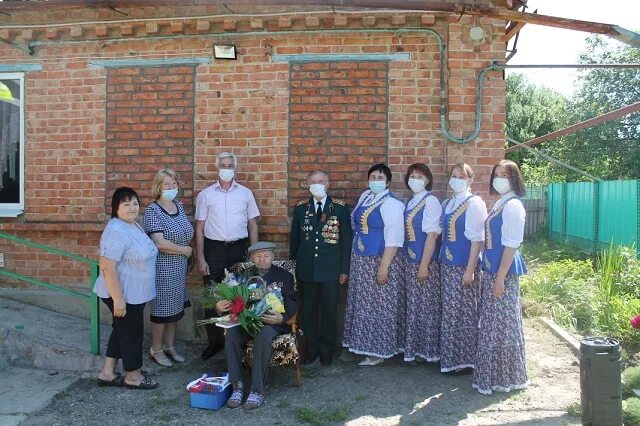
x=320 y=303
x=220 y=255
x=235 y=341
x=126 y=337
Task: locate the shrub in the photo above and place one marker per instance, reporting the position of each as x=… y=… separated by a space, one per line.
x=631 y=412
x=630 y=381
x=563 y=290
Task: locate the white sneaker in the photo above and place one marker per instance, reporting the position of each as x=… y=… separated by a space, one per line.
x=371 y=361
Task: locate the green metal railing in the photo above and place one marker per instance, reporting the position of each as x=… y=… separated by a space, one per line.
x=94 y=301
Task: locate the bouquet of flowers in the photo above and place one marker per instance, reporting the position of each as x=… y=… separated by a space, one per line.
x=242 y=292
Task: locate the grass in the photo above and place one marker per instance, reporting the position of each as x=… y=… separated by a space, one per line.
x=321 y=417
x=575 y=409
x=589 y=296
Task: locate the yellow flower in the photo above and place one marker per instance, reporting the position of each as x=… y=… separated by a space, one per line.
x=274 y=303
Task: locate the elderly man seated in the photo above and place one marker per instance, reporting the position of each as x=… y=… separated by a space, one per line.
x=275 y=324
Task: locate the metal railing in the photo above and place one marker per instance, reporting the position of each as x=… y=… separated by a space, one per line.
x=90 y=296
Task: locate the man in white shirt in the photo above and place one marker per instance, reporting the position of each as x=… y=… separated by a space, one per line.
x=226 y=224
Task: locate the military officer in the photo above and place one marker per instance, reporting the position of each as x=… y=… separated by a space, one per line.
x=321 y=245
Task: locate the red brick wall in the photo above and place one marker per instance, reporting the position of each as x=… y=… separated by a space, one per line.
x=338 y=124
x=150 y=115
x=243 y=106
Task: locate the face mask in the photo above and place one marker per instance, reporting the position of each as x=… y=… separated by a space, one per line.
x=169 y=194
x=501 y=185
x=318 y=190
x=417 y=185
x=457 y=184
x=377 y=186
x=226 y=174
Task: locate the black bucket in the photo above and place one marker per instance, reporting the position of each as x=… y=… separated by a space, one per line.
x=600 y=382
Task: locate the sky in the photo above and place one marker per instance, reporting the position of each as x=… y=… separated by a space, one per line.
x=547 y=45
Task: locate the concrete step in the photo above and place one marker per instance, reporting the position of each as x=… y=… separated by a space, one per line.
x=32 y=337
x=25 y=391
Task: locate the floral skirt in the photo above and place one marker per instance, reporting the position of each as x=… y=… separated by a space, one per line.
x=421 y=325
x=371 y=314
x=459 y=326
x=500 y=360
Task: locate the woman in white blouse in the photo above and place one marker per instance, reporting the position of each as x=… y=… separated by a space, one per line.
x=126 y=283
x=372 y=311
x=462 y=240
x=420 y=285
x=500 y=361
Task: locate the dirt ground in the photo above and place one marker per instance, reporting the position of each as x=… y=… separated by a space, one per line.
x=390 y=394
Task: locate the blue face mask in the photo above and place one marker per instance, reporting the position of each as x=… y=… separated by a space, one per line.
x=169 y=194
x=377 y=186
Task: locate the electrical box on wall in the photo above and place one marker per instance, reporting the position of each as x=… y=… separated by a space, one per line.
x=1 y=260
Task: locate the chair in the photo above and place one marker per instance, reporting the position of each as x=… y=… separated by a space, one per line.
x=286 y=346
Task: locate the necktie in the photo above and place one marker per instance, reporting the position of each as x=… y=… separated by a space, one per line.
x=319 y=211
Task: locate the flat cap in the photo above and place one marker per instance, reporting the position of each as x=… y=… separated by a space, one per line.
x=261 y=245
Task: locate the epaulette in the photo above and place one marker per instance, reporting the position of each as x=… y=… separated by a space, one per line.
x=335 y=200
x=302 y=202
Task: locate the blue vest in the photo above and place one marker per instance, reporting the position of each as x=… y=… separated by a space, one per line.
x=368 y=239
x=493 y=248
x=455 y=247
x=413 y=236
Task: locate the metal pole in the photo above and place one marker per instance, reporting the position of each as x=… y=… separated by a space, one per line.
x=94 y=303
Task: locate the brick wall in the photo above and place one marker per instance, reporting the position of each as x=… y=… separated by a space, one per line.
x=337 y=123
x=243 y=106
x=150 y=113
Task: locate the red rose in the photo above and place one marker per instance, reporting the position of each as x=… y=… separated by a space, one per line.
x=237 y=306
x=635 y=321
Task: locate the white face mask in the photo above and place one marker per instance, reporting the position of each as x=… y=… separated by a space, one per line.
x=226 y=175
x=458 y=185
x=318 y=190
x=417 y=185
x=377 y=186
x=501 y=185
x=169 y=194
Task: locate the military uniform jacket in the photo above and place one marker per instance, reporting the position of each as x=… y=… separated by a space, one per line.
x=322 y=250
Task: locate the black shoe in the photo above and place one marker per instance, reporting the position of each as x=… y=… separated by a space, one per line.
x=211 y=350
x=310 y=360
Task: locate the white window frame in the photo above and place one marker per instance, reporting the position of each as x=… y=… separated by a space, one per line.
x=16 y=209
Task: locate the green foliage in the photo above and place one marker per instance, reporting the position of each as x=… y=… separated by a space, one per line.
x=544 y=250
x=575 y=409
x=321 y=417
x=587 y=299
x=563 y=290
x=532 y=111
x=630 y=381
x=610 y=150
x=631 y=412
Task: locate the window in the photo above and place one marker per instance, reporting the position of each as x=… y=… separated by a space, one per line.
x=11 y=145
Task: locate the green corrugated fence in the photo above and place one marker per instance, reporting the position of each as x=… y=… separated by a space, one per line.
x=592 y=215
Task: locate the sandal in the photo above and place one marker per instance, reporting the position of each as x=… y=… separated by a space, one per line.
x=146 y=383
x=117 y=381
x=254 y=401
x=174 y=355
x=371 y=361
x=236 y=397
x=159 y=357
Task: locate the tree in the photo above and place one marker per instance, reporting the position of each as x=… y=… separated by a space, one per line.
x=532 y=111
x=610 y=150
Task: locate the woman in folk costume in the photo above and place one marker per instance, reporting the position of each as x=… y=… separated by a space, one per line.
x=500 y=360
x=421 y=273
x=371 y=315
x=462 y=241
